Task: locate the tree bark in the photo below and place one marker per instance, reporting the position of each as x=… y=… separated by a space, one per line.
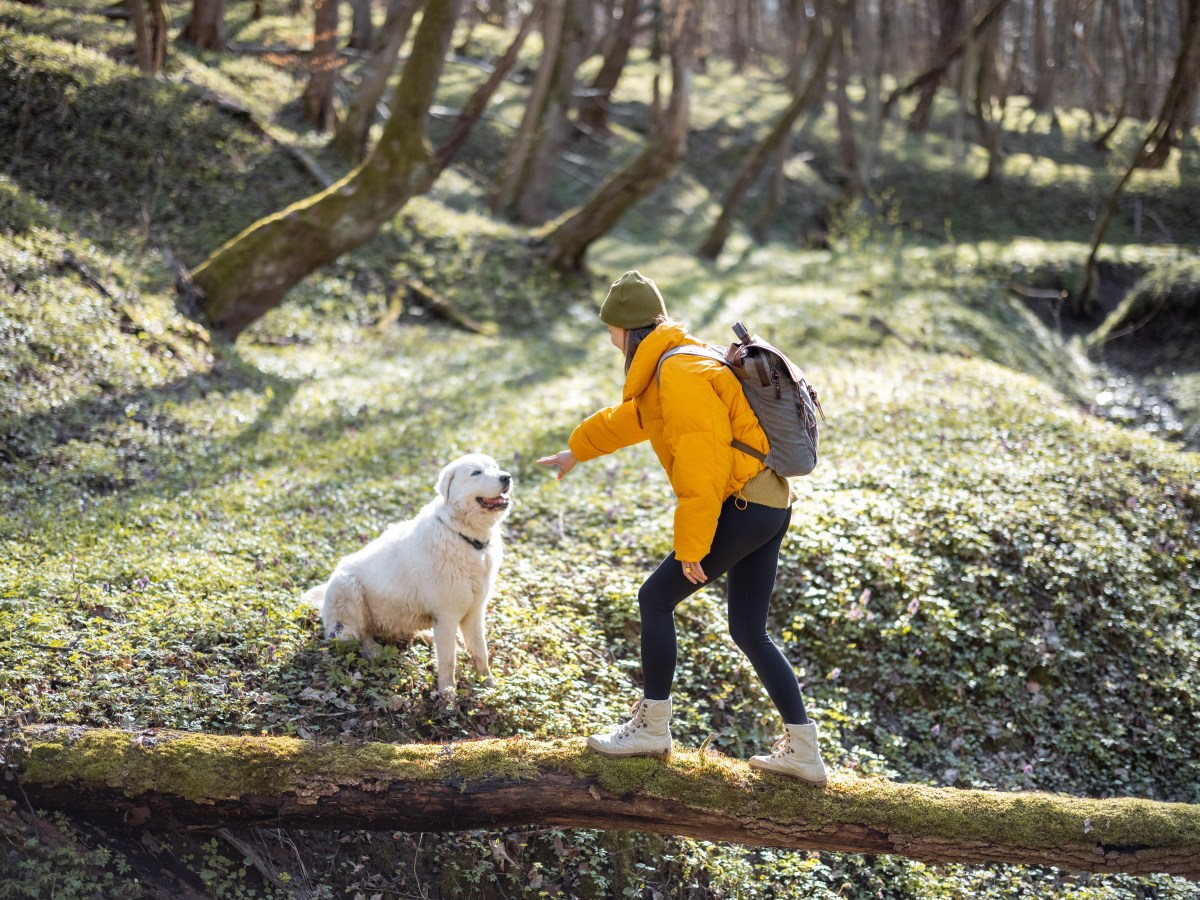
x=524 y=187
x=777 y=136
x=939 y=66
x=593 y=109
x=568 y=240
x=950 y=23
x=1116 y=28
x=142 y=51
x=159 y=27
x=474 y=108
x=352 y=134
x=177 y=780
x=1185 y=64
x=319 y=110
x=1042 y=74
x=799 y=45
x=985 y=83
x=847 y=140
x=206 y=27
x=1181 y=96
x=361 y=26
x=251 y=273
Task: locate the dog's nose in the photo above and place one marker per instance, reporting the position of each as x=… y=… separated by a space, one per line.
x=505 y=480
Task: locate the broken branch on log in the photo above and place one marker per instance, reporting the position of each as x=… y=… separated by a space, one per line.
x=185 y=780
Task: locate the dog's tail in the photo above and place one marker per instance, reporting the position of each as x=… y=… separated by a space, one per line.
x=315 y=596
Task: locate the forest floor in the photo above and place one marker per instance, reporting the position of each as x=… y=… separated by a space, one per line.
x=989 y=582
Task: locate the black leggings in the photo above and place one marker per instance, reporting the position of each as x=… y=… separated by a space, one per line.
x=746 y=546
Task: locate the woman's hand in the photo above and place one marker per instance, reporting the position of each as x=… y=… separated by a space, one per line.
x=564 y=460
x=693 y=572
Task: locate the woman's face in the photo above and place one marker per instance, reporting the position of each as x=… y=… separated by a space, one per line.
x=617 y=336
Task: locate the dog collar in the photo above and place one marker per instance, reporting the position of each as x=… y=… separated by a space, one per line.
x=474 y=542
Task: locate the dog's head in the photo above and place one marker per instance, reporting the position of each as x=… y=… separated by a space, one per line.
x=476 y=488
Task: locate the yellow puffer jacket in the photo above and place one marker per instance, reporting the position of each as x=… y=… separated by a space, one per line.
x=690 y=422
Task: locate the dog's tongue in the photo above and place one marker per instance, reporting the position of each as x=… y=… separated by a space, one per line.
x=493 y=502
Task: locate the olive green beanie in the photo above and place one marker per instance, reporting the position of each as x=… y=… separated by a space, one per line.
x=633 y=301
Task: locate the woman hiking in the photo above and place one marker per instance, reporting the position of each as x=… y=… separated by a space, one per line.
x=730 y=519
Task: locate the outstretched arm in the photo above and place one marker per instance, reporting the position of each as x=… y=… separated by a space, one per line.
x=564 y=460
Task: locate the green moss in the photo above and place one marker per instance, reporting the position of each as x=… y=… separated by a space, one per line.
x=211 y=767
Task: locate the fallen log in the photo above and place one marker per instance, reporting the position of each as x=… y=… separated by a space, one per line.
x=180 y=780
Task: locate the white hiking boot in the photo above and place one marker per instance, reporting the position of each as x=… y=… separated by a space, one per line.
x=646 y=734
x=795 y=754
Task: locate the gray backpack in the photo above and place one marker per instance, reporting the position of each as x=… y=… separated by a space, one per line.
x=785 y=403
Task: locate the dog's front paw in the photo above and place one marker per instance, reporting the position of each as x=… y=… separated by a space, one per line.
x=489 y=681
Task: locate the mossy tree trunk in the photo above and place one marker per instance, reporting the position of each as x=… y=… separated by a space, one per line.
x=753 y=167
x=173 y=780
x=567 y=241
x=350 y=140
x=251 y=273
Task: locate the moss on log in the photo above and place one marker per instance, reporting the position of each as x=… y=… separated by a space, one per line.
x=186 y=780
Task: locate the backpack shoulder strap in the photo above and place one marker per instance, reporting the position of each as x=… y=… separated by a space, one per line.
x=690 y=350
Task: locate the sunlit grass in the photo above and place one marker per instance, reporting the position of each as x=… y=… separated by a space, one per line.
x=970 y=530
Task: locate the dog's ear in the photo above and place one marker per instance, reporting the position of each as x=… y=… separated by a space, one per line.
x=445 y=479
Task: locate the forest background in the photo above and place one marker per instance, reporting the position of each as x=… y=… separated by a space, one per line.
x=265 y=267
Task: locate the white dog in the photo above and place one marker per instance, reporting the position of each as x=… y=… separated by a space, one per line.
x=434 y=571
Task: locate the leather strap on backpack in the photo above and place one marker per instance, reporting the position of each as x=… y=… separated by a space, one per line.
x=747 y=449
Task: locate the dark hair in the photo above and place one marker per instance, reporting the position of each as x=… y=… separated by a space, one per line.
x=635 y=336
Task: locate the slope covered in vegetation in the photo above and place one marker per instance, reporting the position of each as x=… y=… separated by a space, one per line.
x=984 y=586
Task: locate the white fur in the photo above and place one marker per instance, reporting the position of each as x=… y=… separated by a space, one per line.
x=424 y=573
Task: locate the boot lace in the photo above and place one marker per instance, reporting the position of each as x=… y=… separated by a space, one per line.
x=781 y=747
x=634 y=723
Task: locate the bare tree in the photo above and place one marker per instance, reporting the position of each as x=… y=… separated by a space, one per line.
x=593 y=108
x=150 y=34
x=350 y=139
x=361 y=26
x=942 y=62
x=799 y=45
x=567 y=242
x=1113 y=9
x=524 y=185
x=1183 y=85
x=950 y=24
x=848 y=153
x=251 y=273
x=1180 y=102
x=985 y=81
x=206 y=27
x=831 y=29
x=319 y=110
x=474 y=108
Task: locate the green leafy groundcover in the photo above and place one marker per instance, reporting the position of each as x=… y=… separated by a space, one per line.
x=983 y=585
